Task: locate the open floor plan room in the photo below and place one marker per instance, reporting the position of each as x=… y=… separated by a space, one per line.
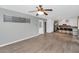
x=39 y=28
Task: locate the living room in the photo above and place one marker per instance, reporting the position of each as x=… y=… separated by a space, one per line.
x=57 y=24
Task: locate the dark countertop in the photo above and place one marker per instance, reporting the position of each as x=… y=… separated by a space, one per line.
x=74 y=26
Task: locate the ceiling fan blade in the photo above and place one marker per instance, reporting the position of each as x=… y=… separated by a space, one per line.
x=48 y=9
x=45 y=13
x=40 y=8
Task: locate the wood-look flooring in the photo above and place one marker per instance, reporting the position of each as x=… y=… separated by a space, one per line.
x=48 y=43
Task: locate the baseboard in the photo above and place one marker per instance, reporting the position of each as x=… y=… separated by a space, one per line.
x=50 y=32
x=2 y=45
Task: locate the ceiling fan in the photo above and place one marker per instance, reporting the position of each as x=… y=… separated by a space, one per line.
x=40 y=10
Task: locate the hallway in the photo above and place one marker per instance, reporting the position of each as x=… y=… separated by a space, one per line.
x=48 y=43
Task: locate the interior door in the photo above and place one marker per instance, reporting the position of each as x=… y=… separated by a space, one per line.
x=55 y=25
x=41 y=27
x=45 y=27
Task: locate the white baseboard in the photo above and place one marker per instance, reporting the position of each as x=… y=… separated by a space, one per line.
x=50 y=32
x=2 y=45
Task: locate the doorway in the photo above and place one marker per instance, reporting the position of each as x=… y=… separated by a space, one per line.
x=42 y=27
x=55 y=26
x=45 y=27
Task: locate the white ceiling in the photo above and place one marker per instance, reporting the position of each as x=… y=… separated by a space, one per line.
x=64 y=11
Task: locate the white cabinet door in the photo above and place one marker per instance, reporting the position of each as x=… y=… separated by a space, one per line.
x=75 y=31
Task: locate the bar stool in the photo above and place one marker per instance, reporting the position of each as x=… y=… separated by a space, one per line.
x=61 y=29
x=70 y=31
x=65 y=29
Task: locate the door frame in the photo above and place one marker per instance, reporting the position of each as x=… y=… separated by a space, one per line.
x=42 y=27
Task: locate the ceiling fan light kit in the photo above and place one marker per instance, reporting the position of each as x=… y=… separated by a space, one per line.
x=40 y=12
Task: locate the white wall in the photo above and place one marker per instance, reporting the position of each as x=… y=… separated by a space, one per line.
x=50 y=27
x=10 y=32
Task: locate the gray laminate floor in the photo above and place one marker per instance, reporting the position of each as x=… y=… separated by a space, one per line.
x=48 y=43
